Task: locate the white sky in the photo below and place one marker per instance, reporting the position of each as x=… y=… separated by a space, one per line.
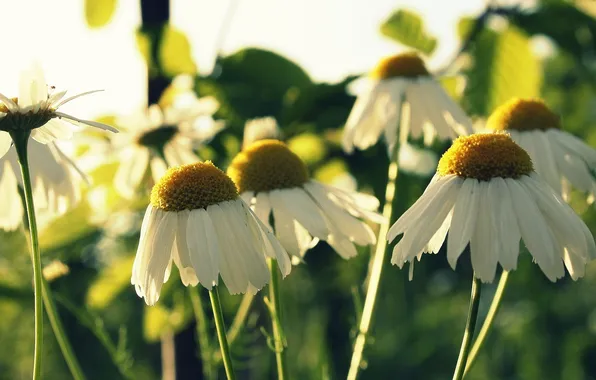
x=328 y=38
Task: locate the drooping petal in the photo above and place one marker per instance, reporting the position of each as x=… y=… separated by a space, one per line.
x=301 y=207
x=203 y=248
x=484 y=245
x=463 y=222
x=5 y=143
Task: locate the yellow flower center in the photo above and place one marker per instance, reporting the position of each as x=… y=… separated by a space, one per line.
x=485 y=156
x=191 y=187
x=267 y=165
x=523 y=115
x=408 y=65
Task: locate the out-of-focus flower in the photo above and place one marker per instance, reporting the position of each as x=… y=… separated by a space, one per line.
x=36 y=109
x=487 y=194
x=561 y=159
x=55 y=270
x=260 y=129
x=426 y=109
x=55 y=180
x=274 y=181
x=411 y=159
x=160 y=138
x=197 y=221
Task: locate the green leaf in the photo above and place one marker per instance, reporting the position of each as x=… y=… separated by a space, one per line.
x=407 y=28
x=99 y=12
x=174 y=55
x=111 y=282
x=503 y=67
x=575 y=31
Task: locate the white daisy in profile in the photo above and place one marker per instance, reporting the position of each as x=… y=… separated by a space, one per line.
x=55 y=180
x=275 y=182
x=158 y=138
x=197 y=221
x=36 y=109
x=561 y=159
x=427 y=109
x=487 y=194
x=262 y=128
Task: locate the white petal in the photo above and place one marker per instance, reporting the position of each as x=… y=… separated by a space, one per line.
x=361 y=115
x=285 y=231
x=465 y=212
x=158 y=168
x=203 y=247
x=300 y=206
x=263 y=208
x=79 y=122
x=160 y=257
x=32 y=87
x=63 y=102
x=11 y=212
x=132 y=169
x=484 y=245
x=5 y=143
x=507 y=230
x=535 y=232
x=575 y=146
x=181 y=252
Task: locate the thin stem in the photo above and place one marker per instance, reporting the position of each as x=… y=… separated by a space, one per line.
x=375 y=274
x=60 y=334
x=469 y=331
x=488 y=321
x=237 y=324
x=21 y=140
x=221 y=333
x=202 y=332
x=168 y=356
x=275 y=311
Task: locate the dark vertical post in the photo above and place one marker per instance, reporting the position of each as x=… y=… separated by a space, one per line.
x=155 y=15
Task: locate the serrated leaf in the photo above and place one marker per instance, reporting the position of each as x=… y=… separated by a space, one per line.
x=112 y=281
x=504 y=67
x=407 y=28
x=98 y=13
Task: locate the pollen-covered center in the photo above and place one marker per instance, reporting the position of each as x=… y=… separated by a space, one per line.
x=523 y=115
x=267 y=165
x=191 y=187
x=408 y=65
x=485 y=156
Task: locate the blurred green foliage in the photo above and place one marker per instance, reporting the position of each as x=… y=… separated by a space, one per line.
x=543 y=331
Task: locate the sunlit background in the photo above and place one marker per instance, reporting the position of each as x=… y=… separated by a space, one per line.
x=297 y=61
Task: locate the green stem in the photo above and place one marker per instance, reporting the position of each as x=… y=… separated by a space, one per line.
x=488 y=321
x=237 y=324
x=375 y=273
x=202 y=332
x=58 y=328
x=274 y=307
x=221 y=333
x=469 y=331
x=21 y=140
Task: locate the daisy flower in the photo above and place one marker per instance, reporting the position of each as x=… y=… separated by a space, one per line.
x=260 y=129
x=487 y=194
x=275 y=182
x=426 y=108
x=561 y=159
x=55 y=180
x=159 y=138
x=197 y=221
x=36 y=109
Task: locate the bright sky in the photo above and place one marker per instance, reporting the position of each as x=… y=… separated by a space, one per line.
x=330 y=39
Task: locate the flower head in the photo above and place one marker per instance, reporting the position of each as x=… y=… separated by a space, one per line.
x=197 y=221
x=402 y=98
x=486 y=194
x=54 y=177
x=158 y=138
x=274 y=181
x=36 y=109
x=560 y=158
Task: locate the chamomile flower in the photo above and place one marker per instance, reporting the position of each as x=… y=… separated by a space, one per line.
x=486 y=194
x=197 y=221
x=561 y=159
x=260 y=129
x=55 y=180
x=427 y=109
x=158 y=138
x=36 y=109
x=275 y=182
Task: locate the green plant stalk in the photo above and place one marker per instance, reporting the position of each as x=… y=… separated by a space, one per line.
x=42 y=291
x=375 y=273
x=488 y=321
x=237 y=324
x=60 y=334
x=202 y=332
x=466 y=343
x=221 y=333
x=21 y=139
x=275 y=311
